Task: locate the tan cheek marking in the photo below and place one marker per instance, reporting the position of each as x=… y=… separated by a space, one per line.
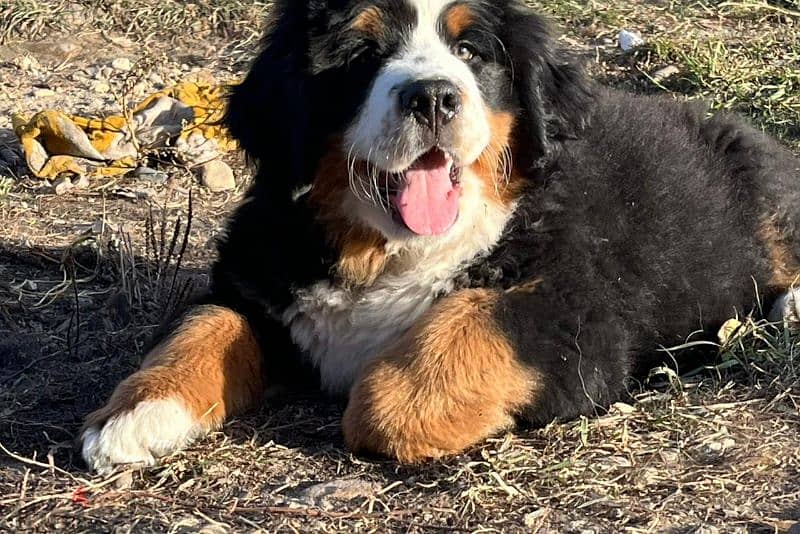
x=211 y=364
x=492 y=164
x=370 y=21
x=458 y=19
x=362 y=250
x=450 y=382
x=785 y=265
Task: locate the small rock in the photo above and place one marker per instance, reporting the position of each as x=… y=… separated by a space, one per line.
x=43 y=92
x=534 y=519
x=623 y=408
x=628 y=40
x=667 y=72
x=152 y=175
x=105 y=73
x=62 y=185
x=122 y=63
x=217 y=176
x=156 y=78
x=101 y=88
x=325 y=494
x=140 y=89
x=81 y=182
x=26 y=63
x=721 y=446
x=125 y=481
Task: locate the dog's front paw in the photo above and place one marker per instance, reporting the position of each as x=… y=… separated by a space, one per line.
x=139 y=435
x=382 y=419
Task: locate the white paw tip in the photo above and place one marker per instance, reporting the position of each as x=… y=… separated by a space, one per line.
x=137 y=437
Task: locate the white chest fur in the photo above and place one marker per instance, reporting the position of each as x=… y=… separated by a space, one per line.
x=340 y=329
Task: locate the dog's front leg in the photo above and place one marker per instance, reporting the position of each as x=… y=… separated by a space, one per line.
x=480 y=360
x=209 y=368
x=451 y=381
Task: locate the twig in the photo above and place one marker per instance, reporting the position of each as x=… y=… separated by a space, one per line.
x=28 y=461
x=182 y=251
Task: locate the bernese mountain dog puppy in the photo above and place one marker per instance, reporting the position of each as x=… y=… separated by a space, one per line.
x=457 y=230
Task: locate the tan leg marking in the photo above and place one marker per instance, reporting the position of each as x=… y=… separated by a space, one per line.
x=205 y=371
x=452 y=381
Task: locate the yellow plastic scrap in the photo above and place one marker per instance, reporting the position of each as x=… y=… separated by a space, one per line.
x=185 y=117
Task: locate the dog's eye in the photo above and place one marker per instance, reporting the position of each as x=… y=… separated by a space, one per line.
x=464 y=51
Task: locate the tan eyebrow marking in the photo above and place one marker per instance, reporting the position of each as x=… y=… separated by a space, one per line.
x=370 y=21
x=458 y=19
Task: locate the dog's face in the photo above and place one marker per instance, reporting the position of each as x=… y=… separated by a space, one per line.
x=441 y=86
x=404 y=112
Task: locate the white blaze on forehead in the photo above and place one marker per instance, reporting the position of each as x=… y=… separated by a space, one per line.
x=378 y=134
x=427 y=50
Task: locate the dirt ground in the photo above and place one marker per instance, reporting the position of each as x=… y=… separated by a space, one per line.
x=86 y=276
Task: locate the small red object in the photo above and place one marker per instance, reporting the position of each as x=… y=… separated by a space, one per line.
x=79 y=496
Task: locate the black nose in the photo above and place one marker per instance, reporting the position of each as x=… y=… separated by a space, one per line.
x=432 y=103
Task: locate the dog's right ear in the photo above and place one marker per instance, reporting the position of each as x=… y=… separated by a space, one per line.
x=268 y=112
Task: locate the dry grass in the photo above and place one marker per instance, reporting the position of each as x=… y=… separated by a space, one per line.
x=86 y=278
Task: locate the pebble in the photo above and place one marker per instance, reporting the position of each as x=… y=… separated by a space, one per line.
x=26 y=63
x=623 y=408
x=125 y=481
x=122 y=63
x=152 y=175
x=140 y=89
x=324 y=494
x=62 y=185
x=628 y=40
x=101 y=87
x=81 y=182
x=43 y=92
x=156 y=78
x=217 y=176
x=667 y=72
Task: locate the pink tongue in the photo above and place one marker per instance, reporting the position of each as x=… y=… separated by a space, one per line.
x=428 y=201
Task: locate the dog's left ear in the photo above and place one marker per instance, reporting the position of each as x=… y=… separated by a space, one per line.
x=551 y=86
x=268 y=113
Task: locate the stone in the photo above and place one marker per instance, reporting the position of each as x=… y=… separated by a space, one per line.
x=151 y=175
x=155 y=78
x=62 y=185
x=81 y=182
x=43 y=92
x=666 y=72
x=325 y=495
x=217 y=176
x=26 y=63
x=628 y=40
x=101 y=87
x=122 y=63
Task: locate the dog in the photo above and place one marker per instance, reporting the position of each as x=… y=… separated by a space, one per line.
x=454 y=228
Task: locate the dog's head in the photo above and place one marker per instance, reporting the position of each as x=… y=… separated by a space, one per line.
x=405 y=116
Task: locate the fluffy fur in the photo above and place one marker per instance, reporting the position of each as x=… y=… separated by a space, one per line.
x=576 y=250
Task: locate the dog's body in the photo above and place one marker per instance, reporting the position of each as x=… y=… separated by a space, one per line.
x=452 y=225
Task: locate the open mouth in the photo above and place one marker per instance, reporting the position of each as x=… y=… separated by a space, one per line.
x=425 y=197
